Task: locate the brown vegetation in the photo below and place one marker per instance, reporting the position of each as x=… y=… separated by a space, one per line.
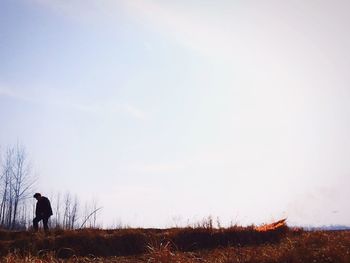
x=190 y=245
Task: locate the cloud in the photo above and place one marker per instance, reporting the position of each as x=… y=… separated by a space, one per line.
x=109 y=107
x=190 y=27
x=250 y=40
x=82 y=11
x=135 y=112
x=161 y=168
x=98 y=108
x=15 y=94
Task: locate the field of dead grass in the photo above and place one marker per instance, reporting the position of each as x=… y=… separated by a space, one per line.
x=180 y=245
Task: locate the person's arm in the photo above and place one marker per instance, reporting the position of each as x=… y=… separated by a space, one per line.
x=51 y=213
x=38 y=209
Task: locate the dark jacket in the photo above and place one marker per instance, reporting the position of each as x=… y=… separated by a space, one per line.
x=43 y=207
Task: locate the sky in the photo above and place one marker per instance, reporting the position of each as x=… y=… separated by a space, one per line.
x=168 y=112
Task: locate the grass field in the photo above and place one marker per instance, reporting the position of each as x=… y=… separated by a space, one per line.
x=192 y=244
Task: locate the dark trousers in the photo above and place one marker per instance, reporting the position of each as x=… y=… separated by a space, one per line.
x=36 y=221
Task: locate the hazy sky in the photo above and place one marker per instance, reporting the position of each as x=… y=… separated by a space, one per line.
x=169 y=111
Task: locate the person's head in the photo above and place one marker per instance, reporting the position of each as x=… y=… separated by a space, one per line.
x=37 y=196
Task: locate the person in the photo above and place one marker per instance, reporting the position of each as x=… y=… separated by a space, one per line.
x=43 y=211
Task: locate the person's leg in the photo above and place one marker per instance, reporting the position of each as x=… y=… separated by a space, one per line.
x=45 y=221
x=36 y=223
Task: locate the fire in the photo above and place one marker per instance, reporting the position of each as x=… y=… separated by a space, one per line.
x=272 y=226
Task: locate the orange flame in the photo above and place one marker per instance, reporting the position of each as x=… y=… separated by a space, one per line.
x=272 y=226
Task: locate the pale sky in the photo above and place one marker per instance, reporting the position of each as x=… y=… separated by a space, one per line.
x=170 y=111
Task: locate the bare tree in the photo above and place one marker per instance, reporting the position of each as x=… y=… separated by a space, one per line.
x=66 y=215
x=70 y=216
x=6 y=202
x=58 y=211
x=94 y=217
x=89 y=218
x=16 y=183
x=22 y=180
x=74 y=213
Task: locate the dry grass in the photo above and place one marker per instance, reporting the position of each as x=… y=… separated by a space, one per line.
x=180 y=245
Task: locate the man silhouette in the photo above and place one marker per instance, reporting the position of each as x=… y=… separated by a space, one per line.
x=43 y=212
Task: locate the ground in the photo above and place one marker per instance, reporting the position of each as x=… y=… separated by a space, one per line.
x=180 y=245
